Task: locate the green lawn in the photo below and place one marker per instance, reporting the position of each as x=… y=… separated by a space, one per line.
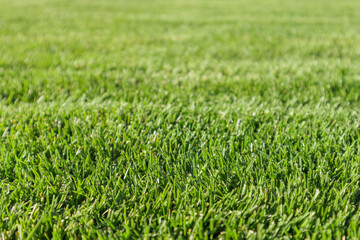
x=179 y=119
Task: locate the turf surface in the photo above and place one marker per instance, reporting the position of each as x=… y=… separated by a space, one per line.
x=179 y=119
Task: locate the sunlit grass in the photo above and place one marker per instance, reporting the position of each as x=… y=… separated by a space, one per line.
x=179 y=119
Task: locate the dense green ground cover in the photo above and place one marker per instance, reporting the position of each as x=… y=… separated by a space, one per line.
x=193 y=119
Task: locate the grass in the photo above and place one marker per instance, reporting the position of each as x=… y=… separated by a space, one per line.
x=179 y=119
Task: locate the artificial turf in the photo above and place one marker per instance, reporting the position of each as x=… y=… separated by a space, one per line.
x=179 y=119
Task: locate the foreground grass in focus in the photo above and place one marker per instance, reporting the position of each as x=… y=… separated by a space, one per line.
x=179 y=119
